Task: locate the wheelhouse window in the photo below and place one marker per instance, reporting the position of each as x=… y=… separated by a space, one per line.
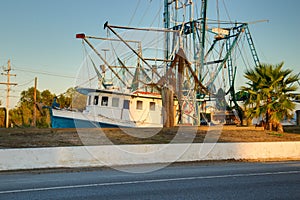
x=139 y=105
x=126 y=104
x=89 y=100
x=104 y=101
x=96 y=100
x=115 y=102
x=152 y=106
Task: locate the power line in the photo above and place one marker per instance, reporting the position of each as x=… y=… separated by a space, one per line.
x=42 y=72
x=26 y=83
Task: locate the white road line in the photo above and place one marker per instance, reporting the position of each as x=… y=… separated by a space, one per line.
x=147 y=181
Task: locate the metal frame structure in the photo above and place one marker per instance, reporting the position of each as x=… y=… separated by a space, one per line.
x=187 y=72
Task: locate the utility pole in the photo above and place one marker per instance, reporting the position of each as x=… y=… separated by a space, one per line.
x=8 y=84
x=34 y=105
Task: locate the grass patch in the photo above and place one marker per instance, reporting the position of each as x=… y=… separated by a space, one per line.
x=276 y=134
x=33 y=137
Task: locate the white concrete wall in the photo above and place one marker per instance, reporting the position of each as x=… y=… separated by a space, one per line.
x=32 y=158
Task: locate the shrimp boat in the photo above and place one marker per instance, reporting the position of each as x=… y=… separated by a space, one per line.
x=155 y=77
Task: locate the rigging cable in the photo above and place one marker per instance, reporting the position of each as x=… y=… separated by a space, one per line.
x=227 y=13
x=92 y=78
x=245 y=60
x=144 y=14
x=134 y=12
x=26 y=83
x=218 y=13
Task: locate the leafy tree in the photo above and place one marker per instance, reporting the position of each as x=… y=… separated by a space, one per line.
x=47 y=97
x=27 y=96
x=2 y=117
x=22 y=115
x=241 y=96
x=270 y=94
x=72 y=99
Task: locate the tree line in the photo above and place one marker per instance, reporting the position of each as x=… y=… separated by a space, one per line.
x=23 y=114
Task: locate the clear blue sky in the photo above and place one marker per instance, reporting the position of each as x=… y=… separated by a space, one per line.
x=39 y=36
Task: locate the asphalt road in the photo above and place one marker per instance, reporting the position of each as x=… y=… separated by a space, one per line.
x=221 y=180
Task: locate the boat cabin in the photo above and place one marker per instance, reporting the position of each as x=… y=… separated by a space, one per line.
x=144 y=109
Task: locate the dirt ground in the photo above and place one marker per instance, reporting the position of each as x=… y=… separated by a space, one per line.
x=33 y=137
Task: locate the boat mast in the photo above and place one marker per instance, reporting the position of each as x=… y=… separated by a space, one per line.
x=167 y=34
x=202 y=39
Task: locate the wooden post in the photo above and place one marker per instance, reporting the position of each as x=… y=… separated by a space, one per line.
x=8 y=84
x=179 y=84
x=165 y=107
x=168 y=105
x=34 y=105
x=171 y=108
x=298 y=117
x=7 y=95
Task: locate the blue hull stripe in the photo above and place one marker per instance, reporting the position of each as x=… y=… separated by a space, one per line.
x=62 y=122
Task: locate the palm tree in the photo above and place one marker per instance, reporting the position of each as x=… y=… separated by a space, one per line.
x=270 y=94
